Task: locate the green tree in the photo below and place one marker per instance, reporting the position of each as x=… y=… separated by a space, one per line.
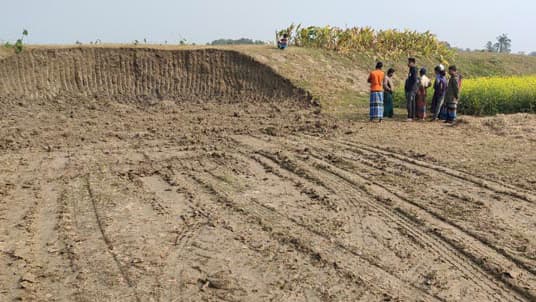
x=242 y=41
x=504 y=44
x=19 y=44
x=490 y=47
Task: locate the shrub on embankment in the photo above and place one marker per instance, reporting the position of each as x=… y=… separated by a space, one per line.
x=384 y=44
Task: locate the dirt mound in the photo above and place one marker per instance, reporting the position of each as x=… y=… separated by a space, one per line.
x=127 y=74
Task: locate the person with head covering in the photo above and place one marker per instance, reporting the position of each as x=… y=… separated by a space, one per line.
x=375 y=79
x=420 y=104
x=440 y=89
x=388 y=90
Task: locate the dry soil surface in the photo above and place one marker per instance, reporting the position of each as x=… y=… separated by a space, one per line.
x=257 y=199
x=104 y=201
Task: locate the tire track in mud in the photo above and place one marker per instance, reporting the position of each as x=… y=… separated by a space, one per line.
x=303 y=225
x=106 y=239
x=166 y=178
x=202 y=187
x=48 y=259
x=98 y=273
x=457 y=256
x=28 y=201
x=151 y=254
x=411 y=228
x=480 y=250
x=492 y=185
x=483 y=240
x=185 y=231
x=301 y=179
x=331 y=254
x=473 y=247
x=17 y=213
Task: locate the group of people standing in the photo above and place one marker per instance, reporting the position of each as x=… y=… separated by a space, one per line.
x=444 y=101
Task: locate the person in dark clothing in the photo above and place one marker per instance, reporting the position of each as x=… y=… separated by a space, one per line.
x=453 y=94
x=440 y=90
x=411 y=88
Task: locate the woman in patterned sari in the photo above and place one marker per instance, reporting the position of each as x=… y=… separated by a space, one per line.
x=424 y=84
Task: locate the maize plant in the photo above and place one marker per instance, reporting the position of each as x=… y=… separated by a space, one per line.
x=388 y=44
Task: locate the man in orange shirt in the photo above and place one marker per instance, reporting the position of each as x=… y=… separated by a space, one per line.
x=376 y=93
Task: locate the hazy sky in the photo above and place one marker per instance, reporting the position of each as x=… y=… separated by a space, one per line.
x=463 y=23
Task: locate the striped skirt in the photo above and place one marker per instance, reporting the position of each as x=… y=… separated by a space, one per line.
x=451 y=111
x=376 y=105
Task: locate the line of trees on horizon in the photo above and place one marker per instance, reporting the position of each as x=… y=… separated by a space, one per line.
x=503 y=44
x=241 y=41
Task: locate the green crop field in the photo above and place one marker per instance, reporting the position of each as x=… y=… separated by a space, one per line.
x=492 y=95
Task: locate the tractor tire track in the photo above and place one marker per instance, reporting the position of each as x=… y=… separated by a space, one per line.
x=277 y=224
x=459 y=260
x=461 y=198
x=458 y=257
x=367 y=164
x=258 y=215
x=398 y=169
x=497 y=258
x=493 y=185
x=106 y=239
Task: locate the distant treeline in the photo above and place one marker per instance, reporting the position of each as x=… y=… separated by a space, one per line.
x=237 y=42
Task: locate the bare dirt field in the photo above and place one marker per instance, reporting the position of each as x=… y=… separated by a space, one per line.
x=240 y=189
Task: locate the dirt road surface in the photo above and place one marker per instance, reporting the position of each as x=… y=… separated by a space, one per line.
x=258 y=199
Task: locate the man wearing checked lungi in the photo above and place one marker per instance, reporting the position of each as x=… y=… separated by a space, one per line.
x=453 y=95
x=375 y=79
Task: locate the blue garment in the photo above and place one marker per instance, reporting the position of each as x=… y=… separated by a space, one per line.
x=376 y=105
x=440 y=89
x=451 y=116
x=451 y=111
x=440 y=86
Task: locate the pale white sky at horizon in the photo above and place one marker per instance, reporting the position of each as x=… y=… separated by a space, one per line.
x=463 y=23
